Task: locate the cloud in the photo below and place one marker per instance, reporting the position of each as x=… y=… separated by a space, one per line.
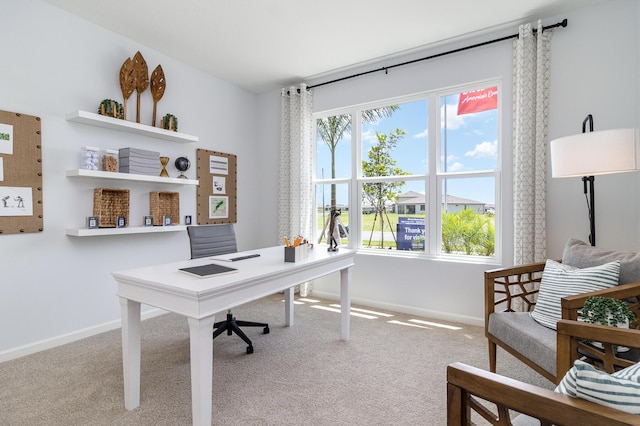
x=369 y=137
x=455 y=167
x=454 y=121
x=484 y=149
x=422 y=134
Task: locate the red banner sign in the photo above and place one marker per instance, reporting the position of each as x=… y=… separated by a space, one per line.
x=478 y=100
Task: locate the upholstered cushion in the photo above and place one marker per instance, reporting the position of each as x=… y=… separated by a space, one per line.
x=520 y=332
x=581 y=255
x=559 y=280
x=620 y=390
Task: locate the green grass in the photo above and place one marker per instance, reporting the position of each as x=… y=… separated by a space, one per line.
x=367 y=226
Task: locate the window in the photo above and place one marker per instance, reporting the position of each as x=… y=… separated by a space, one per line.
x=414 y=174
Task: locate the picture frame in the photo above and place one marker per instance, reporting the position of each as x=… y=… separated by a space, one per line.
x=121 y=222
x=148 y=221
x=92 y=222
x=187 y=220
x=218 y=207
x=166 y=220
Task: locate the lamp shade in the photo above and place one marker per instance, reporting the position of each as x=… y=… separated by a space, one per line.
x=596 y=153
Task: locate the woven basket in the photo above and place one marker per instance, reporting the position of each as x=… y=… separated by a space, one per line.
x=164 y=204
x=108 y=204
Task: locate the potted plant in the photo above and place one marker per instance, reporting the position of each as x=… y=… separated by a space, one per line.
x=607 y=311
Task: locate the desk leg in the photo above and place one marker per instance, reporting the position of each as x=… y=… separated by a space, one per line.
x=201 y=338
x=130 y=314
x=345 y=302
x=288 y=306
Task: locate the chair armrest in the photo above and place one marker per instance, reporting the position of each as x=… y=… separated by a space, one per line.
x=465 y=384
x=511 y=289
x=571 y=304
x=572 y=344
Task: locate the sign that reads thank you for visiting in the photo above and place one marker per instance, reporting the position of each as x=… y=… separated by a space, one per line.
x=410 y=232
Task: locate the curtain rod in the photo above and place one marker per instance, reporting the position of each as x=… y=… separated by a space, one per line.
x=437 y=55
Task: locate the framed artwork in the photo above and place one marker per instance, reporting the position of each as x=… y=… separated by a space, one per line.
x=92 y=222
x=218 y=207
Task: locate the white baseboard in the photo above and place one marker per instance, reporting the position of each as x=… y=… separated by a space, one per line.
x=70 y=337
x=445 y=316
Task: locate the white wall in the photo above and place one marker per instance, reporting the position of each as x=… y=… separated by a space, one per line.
x=594 y=70
x=52 y=285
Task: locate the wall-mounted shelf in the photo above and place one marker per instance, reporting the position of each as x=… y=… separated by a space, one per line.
x=129 y=176
x=98 y=120
x=83 y=232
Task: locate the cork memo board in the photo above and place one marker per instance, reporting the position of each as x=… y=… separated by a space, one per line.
x=20 y=173
x=217 y=197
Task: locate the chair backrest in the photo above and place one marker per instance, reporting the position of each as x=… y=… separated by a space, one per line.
x=211 y=240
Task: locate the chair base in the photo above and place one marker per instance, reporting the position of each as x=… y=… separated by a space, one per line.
x=231 y=325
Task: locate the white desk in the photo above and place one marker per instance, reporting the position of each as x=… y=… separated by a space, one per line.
x=199 y=299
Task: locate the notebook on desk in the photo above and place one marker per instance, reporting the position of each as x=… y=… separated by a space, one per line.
x=205 y=271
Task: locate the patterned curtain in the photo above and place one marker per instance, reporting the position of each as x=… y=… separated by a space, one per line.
x=296 y=144
x=531 y=59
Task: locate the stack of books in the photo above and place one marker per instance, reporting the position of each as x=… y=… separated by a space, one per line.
x=139 y=161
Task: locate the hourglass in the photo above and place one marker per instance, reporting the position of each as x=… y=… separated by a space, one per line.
x=164 y=161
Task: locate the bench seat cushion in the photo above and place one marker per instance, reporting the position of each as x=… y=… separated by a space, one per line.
x=522 y=333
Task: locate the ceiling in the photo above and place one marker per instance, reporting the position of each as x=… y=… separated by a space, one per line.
x=261 y=45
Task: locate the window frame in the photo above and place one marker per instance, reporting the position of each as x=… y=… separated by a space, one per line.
x=433 y=178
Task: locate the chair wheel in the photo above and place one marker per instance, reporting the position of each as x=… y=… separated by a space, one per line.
x=266 y=330
x=249 y=349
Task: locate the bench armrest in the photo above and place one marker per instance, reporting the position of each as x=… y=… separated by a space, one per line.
x=465 y=384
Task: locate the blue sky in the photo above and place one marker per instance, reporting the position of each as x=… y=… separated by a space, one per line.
x=471 y=146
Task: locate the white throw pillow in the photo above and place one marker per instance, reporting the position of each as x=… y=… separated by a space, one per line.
x=560 y=280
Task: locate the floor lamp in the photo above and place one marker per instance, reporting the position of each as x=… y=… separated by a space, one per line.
x=595 y=153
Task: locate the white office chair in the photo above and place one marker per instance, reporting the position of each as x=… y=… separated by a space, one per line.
x=214 y=240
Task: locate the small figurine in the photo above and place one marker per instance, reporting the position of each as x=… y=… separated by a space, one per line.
x=334 y=233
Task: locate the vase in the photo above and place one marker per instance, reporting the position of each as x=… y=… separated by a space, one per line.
x=164 y=161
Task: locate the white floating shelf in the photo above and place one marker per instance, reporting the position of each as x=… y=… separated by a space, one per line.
x=83 y=232
x=98 y=120
x=129 y=176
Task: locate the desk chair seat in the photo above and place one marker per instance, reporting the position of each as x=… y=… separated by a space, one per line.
x=215 y=240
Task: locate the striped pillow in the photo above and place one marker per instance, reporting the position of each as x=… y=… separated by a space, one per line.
x=604 y=389
x=560 y=280
x=569 y=383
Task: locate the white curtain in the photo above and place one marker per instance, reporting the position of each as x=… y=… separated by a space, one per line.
x=531 y=58
x=296 y=144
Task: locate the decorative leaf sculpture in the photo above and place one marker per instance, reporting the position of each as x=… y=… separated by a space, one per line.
x=142 y=79
x=157 y=86
x=127 y=83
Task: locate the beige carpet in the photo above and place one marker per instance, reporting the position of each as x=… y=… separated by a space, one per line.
x=391 y=372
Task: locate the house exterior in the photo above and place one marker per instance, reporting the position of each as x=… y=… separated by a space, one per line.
x=412 y=202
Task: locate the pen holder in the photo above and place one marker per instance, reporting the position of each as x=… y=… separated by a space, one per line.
x=295 y=254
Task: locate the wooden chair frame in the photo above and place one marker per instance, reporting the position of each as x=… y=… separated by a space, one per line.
x=492 y=396
x=516 y=289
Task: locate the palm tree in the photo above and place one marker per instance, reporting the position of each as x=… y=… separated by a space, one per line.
x=333 y=129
